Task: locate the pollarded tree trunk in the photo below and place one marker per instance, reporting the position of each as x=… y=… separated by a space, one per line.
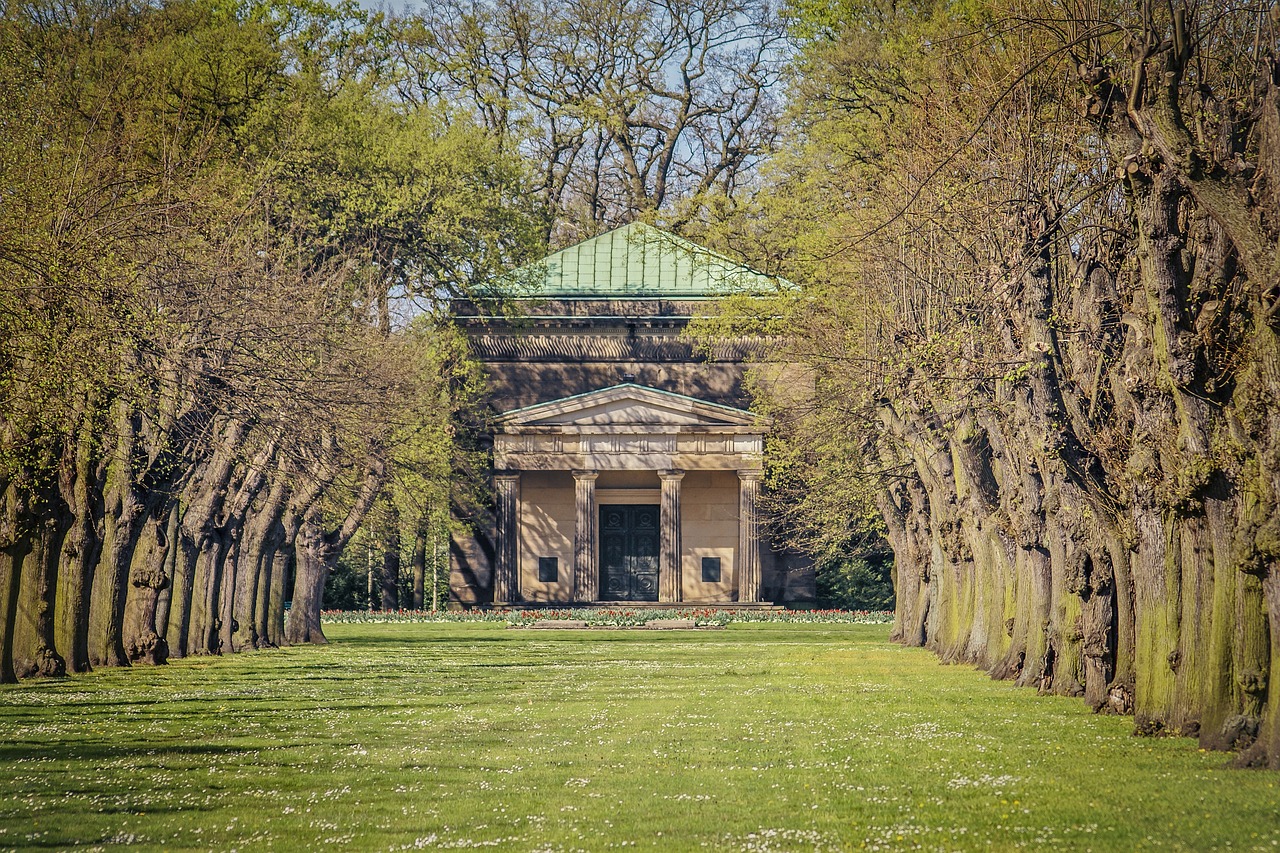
x=311 y=550
x=282 y=572
x=905 y=508
x=232 y=526
x=1257 y=545
x=14 y=546
x=268 y=603
x=123 y=518
x=178 y=622
x=232 y=577
x=147 y=578
x=81 y=548
x=35 y=651
x=1258 y=537
x=170 y=561
x=1265 y=750
x=209 y=558
x=256 y=553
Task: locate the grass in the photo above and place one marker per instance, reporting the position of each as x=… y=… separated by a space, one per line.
x=449 y=736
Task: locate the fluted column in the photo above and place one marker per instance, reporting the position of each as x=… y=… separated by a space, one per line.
x=748 y=536
x=585 y=576
x=506 y=586
x=669 y=581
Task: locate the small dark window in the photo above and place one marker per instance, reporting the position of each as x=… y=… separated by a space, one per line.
x=548 y=569
x=711 y=570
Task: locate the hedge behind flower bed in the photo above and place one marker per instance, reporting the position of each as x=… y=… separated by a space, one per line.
x=620 y=616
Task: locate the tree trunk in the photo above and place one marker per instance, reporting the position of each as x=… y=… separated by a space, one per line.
x=311 y=550
x=14 y=547
x=257 y=551
x=390 y=587
x=282 y=571
x=81 y=549
x=419 y=564
x=123 y=519
x=35 y=652
x=170 y=561
x=147 y=578
x=316 y=552
x=178 y=625
x=232 y=526
x=205 y=540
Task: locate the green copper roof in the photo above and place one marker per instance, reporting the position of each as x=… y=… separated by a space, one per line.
x=638 y=260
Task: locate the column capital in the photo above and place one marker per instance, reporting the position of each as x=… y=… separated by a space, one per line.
x=751 y=474
x=585 y=474
x=508 y=476
x=674 y=474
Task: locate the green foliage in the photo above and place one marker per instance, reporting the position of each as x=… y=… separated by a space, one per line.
x=346 y=588
x=780 y=737
x=858 y=581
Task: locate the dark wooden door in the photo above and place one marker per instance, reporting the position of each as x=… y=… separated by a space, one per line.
x=629 y=546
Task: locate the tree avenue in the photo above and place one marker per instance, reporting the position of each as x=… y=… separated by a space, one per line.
x=217 y=222
x=1042 y=318
x=1037 y=248
x=213 y=216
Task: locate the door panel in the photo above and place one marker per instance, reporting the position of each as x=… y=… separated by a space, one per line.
x=629 y=547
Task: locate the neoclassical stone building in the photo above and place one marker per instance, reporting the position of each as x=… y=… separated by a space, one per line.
x=626 y=467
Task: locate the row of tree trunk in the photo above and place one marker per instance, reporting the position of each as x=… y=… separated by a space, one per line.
x=103 y=567
x=208 y=214
x=1104 y=520
x=1042 y=315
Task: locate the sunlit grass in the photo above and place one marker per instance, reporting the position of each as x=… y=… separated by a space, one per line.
x=754 y=737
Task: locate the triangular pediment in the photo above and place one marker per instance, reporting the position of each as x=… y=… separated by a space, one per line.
x=629 y=404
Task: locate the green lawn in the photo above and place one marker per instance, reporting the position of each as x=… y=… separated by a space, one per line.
x=756 y=737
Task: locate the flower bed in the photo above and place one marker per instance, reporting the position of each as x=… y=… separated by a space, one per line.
x=620 y=616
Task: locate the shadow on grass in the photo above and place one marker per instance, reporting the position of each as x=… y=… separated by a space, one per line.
x=82 y=751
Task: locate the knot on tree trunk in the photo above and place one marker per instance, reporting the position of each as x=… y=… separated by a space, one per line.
x=49 y=663
x=1120 y=700
x=1253 y=682
x=148 y=648
x=1238 y=732
x=149 y=577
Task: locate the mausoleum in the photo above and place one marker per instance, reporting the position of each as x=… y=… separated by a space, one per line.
x=626 y=466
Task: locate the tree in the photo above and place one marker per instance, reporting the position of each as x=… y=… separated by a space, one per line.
x=215 y=216
x=1039 y=251
x=625 y=109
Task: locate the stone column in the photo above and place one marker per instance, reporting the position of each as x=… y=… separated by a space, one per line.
x=669 y=580
x=748 y=536
x=585 y=576
x=506 y=581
